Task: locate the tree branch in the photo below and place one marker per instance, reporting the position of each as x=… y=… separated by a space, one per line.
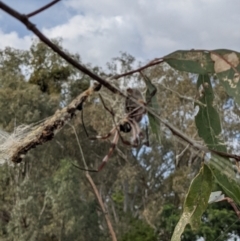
x=15 y=149
x=24 y=19
x=58 y=120
x=42 y=9
x=150 y=64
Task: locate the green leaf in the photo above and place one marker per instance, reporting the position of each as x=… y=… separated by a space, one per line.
x=196 y=202
x=225 y=176
x=207 y=120
x=192 y=61
x=152 y=102
x=222 y=62
x=227 y=69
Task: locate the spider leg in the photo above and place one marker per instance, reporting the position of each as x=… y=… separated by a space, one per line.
x=136 y=112
x=104 y=105
x=138 y=129
x=105 y=136
x=113 y=129
x=112 y=148
x=116 y=126
x=125 y=142
x=98 y=137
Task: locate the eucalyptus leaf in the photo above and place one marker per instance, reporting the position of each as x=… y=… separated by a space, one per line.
x=225 y=176
x=191 y=61
x=207 y=119
x=196 y=202
x=224 y=63
x=152 y=102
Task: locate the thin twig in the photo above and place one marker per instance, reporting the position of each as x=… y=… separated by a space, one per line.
x=233 y=204
x=42 y=8
x=95 y=190
x=43 y=208
x=85 y=168
x=109 y=224
x=80 y=147
x=178 y=156
x=183 y=97
x=150 y=64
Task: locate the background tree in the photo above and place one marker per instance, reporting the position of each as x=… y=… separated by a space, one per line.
x=46 y=198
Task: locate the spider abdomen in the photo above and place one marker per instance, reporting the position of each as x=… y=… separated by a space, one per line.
x=125 y=127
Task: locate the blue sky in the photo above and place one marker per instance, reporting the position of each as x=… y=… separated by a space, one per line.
x=99 y=29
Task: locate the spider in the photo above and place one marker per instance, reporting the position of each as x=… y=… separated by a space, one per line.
x=130 y=123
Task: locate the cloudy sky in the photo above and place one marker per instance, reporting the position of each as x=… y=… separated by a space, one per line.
x=99 y=29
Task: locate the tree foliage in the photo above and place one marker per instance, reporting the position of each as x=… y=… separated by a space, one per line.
x=146 y=189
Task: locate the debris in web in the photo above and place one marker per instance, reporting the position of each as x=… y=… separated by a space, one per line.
x=10 y=142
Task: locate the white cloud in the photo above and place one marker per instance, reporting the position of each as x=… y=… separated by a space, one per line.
x=97 y=39
x=13 y=40
x=154 y=28
x=103 y=7
x=99 y=29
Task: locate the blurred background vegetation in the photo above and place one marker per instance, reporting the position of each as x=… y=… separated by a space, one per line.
x=45 y=198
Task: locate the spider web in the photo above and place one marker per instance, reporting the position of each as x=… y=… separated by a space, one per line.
x=10 y=141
